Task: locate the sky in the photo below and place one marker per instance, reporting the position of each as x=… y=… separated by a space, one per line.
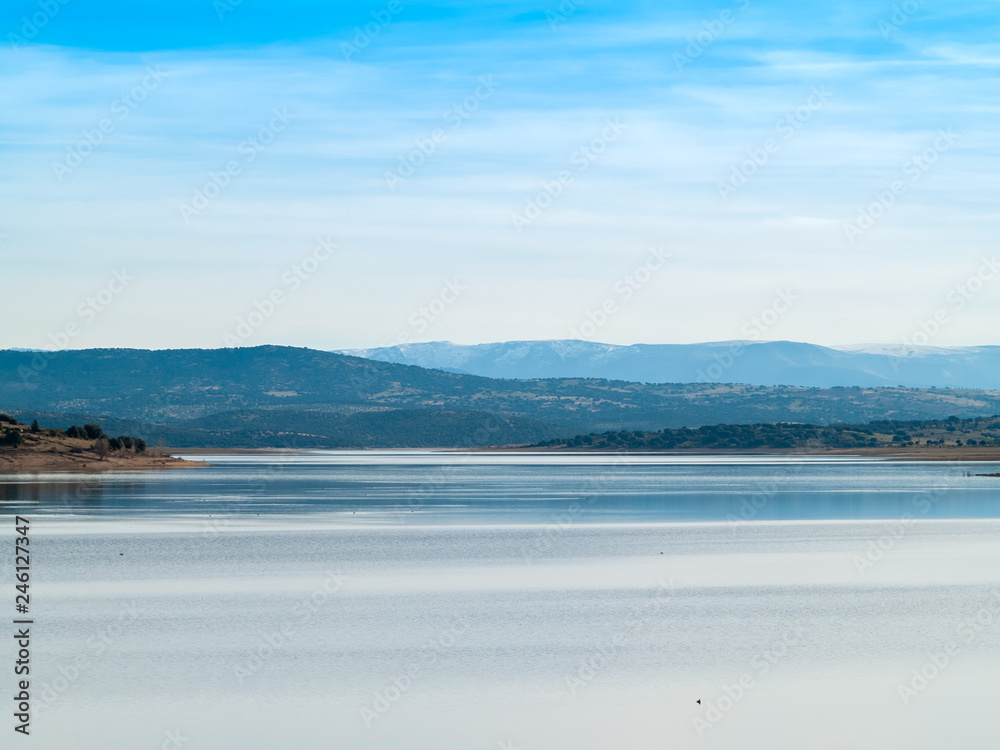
x=360 y=174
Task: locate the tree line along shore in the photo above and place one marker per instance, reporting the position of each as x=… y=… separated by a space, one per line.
x=25 y=447
x=946 y=439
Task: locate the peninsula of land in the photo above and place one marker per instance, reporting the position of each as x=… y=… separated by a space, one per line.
x=33 y=449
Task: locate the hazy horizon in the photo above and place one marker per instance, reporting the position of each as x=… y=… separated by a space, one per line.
x=891 y=348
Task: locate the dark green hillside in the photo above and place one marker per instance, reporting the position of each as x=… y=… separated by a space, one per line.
x=392 y=428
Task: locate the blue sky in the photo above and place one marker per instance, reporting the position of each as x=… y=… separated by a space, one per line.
x=757 y=144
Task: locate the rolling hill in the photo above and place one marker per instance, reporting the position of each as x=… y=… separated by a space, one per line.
x=284 y=396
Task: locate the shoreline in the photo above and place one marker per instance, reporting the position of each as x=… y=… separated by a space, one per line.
x=936 y=453
x=46 y=450
x=45 y=463
x=913 y=453
x=31 y=462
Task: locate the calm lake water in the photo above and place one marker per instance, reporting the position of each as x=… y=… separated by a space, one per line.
x=481 y=602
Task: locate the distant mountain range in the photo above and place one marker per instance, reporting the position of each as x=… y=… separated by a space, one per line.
x=272 y=396
x=755 y=363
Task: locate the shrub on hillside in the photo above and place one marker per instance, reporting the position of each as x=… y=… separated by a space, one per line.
x=102 y=446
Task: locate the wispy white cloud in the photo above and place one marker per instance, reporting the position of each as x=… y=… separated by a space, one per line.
x=655 y=185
